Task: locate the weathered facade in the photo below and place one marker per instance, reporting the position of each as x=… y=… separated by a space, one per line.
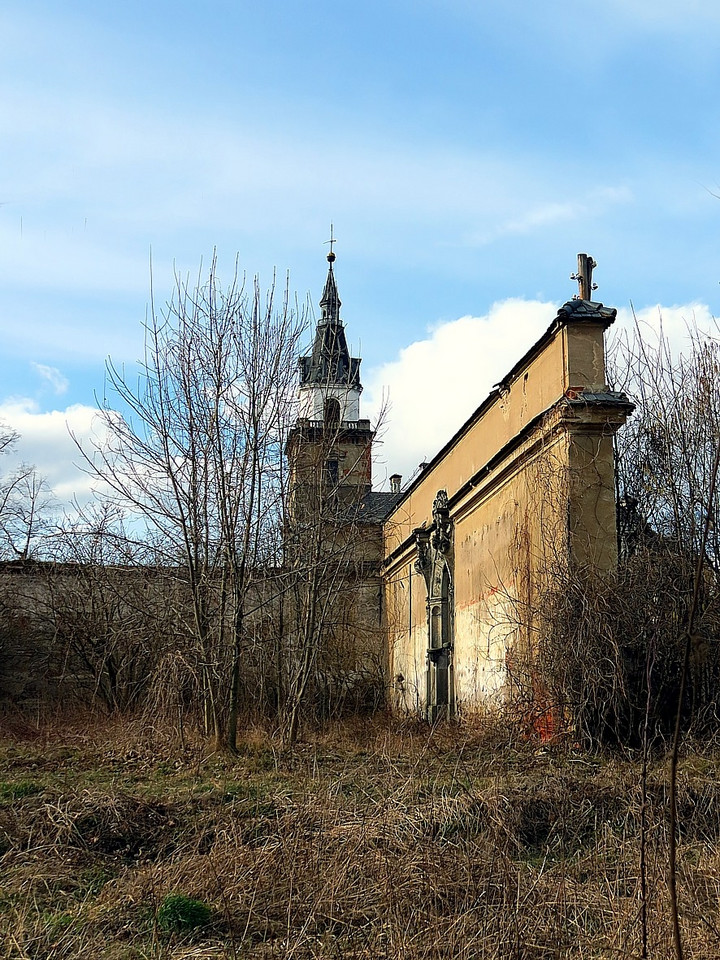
x=524 y=490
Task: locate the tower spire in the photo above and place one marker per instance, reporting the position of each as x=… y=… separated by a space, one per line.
x=330 y=448
x=329 y=366
x=330 y=301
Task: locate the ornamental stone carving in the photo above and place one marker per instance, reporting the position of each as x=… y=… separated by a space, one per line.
x=434 y=545
x=442 y=534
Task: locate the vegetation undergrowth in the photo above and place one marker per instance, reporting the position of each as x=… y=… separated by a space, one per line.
x=371 y=838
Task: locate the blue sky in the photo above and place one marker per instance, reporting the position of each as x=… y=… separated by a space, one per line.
x=465 y=151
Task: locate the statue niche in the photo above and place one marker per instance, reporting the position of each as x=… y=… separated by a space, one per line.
x=434 y=562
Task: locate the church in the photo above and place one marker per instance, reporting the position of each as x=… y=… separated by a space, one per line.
x=439 y=576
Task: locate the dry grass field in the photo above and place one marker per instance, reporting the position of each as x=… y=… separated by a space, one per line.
x=381 y=839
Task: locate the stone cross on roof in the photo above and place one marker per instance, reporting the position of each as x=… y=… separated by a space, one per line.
x=586 y=265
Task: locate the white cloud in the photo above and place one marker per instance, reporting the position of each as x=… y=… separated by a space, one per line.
x=433 y=386
x=46 y=442
x=437 y=383
x=529 y=217
x=54 y=377
x=543 y=215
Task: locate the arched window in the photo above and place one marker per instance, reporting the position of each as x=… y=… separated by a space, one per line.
x=331 y=412
x=445 y=604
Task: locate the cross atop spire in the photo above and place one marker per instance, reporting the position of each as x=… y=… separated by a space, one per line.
x=331 y=241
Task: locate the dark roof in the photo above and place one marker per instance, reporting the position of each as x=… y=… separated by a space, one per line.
x=586 y=310
x=330 y=301
x=330 y=361
x=613 y=398
x=373 y=507
x=376 y=505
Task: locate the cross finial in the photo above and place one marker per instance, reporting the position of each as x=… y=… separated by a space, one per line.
x=586 y=265
x=331 y=241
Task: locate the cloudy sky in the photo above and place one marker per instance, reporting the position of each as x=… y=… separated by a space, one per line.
x=465 y=151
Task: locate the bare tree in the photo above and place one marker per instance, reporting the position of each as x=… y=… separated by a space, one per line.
x=194 y=451
x=8 y=437
x=668 y=478
x=666 y=451
x=106 y=609
x=25 y=504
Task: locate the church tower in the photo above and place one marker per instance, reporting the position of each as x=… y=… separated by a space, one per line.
x=330 y=448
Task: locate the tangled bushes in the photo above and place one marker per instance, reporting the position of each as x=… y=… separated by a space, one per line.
x=608 y=653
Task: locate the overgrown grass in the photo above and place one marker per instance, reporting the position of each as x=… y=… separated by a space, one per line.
x=378 y=839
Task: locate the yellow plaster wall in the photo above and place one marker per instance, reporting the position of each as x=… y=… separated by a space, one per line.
x=585 y=360
x=592 y=504
x=548 y=493
x=503 y=533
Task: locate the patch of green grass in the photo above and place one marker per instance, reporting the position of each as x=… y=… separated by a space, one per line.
x=256 y=796
x=178 y=913
x=17 y=789
x=260 y=758
x=57 y=921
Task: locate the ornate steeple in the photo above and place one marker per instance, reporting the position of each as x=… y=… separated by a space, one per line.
x=330 y=363
x=330 y=448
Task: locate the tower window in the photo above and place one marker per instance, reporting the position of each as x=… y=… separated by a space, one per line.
x=332 y=411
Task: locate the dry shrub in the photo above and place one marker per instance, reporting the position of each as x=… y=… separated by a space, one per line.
x=607 y=651
x=119 y=825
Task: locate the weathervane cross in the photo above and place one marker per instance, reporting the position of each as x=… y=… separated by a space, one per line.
x=331 y=241
x=586 y=265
